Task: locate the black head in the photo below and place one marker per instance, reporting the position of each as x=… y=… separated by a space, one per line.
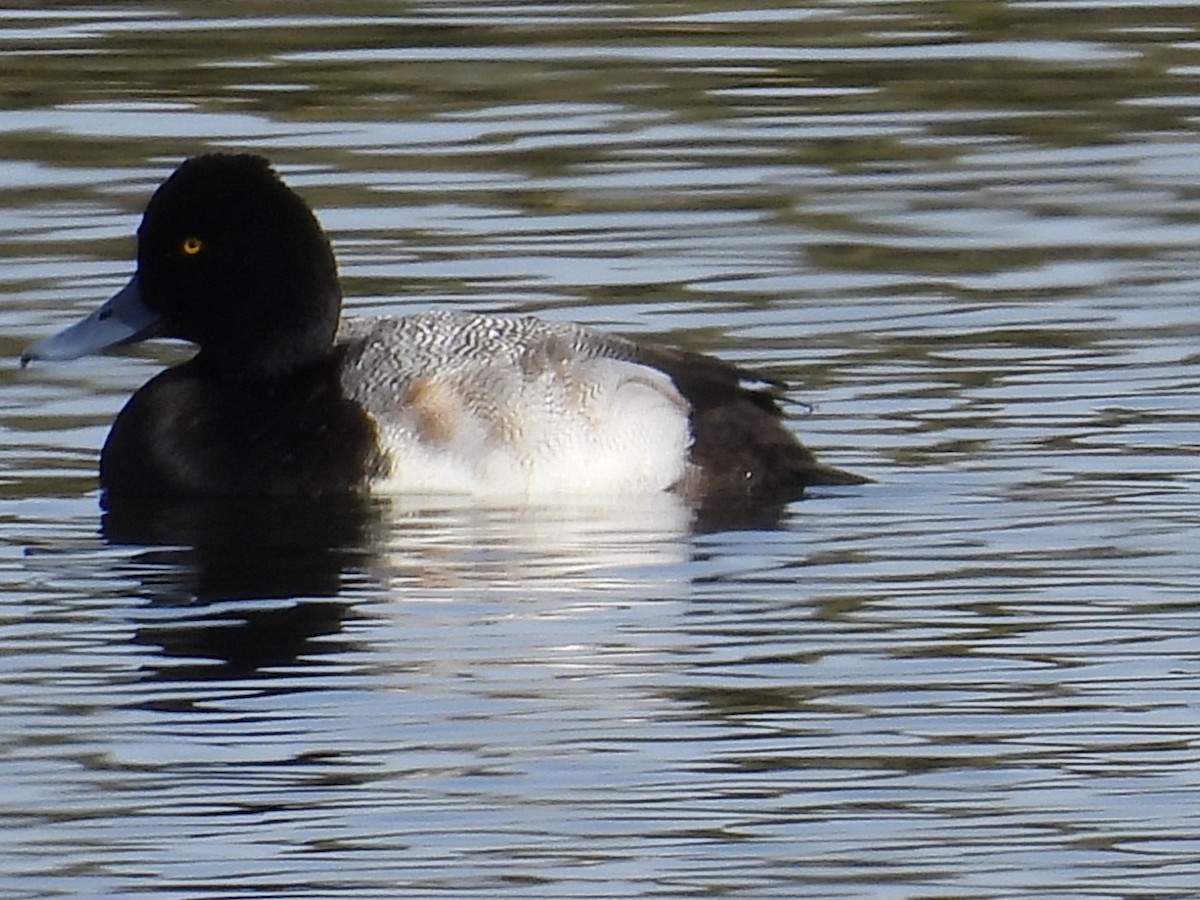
x=235 y=261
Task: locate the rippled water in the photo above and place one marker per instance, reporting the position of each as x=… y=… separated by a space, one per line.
x=968 y=232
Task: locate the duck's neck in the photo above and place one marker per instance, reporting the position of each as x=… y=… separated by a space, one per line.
x=273 y=352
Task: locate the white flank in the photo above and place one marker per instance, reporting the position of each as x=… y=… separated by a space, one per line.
x=515 y=408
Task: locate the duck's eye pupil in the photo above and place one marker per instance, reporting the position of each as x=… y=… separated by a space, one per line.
x=191 y=246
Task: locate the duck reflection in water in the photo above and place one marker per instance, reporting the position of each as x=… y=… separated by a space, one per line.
x=242 y=586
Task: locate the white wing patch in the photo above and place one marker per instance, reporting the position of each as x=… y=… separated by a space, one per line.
x=514 y=407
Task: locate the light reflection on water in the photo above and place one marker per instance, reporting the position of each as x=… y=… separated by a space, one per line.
x=966 y=231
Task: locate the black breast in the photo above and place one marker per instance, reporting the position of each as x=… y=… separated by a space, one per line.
x=188 y=433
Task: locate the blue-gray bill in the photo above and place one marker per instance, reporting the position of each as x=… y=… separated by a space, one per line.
x=124 y=319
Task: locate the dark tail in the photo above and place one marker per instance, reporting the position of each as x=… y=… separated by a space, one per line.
x=742 y=449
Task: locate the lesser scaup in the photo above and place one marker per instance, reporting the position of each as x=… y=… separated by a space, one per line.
x=280 y=401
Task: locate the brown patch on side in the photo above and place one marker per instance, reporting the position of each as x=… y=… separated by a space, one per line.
x=436 y=410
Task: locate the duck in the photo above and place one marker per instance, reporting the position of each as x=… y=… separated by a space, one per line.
x=284 y=398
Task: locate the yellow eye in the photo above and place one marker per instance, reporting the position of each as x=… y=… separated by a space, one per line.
x=191 y=245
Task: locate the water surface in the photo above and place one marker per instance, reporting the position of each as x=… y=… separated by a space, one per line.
x=967 y=232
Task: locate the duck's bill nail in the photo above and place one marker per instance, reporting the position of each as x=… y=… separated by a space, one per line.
x=124 y=319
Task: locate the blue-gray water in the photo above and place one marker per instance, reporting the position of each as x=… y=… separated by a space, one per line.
x=968 y=232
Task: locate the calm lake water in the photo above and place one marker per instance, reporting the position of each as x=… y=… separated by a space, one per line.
x=968 y=232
